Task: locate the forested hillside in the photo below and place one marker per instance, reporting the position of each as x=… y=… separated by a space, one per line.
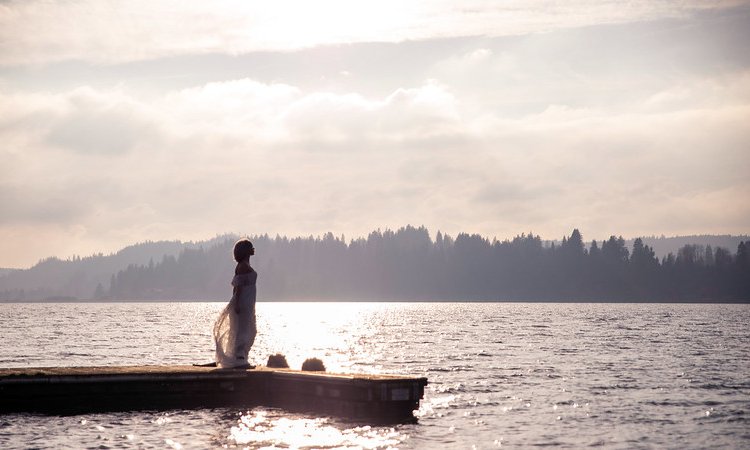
x=80 y=277
x=403 y=265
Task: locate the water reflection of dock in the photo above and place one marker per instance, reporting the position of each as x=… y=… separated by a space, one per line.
x=71 y=390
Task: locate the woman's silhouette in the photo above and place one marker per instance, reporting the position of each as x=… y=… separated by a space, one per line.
x=234 y=331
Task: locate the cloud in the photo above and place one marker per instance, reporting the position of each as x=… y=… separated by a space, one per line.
x=697 y=93
x=82 y=120
x=112 y=31
x=496 y=137
x=90 y=126
x=407 y=113
x=24 y=204
x=93 y=154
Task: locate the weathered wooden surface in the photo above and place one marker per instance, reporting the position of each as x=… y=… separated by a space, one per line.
x=85 y=389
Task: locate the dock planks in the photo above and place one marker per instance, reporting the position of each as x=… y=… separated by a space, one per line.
x=71 y=390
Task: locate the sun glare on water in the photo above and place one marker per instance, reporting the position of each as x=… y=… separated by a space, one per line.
x=338 y=334
x=268 y=428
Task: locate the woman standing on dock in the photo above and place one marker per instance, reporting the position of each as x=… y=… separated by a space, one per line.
x=234 y=331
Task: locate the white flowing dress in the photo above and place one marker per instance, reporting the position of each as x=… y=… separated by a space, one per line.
x=234 y=333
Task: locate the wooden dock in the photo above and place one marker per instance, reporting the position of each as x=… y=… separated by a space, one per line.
x=72 y=390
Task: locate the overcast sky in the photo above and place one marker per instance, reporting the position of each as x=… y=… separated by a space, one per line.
x=125 y=121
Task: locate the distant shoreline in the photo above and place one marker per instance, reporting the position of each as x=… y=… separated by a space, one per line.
x=407 y=263
x=645 y=302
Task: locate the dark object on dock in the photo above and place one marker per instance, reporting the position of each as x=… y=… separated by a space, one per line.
x=277 y=361
x=208 y=364
x=313 y=365
x=71 y=390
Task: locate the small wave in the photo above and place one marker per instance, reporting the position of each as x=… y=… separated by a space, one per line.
x=546 y=444
x=457 y=388
x=653 y=421
x=679 y=404
x=716 y=386
x=485 y=390
x=12 y=361
x=452 y=369
x=726 y=415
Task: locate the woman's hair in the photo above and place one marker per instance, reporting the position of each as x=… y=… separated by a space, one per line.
x=242 y=249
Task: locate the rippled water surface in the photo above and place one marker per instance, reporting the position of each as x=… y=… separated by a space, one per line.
x=502 y=375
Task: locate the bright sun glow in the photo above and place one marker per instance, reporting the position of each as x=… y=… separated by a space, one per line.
x=332 y=21
x=339 y=335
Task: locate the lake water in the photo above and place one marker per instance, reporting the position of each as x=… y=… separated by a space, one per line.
x=502 y=375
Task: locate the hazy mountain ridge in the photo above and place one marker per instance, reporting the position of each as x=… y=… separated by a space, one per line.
x=78 y=277
x=329 y=268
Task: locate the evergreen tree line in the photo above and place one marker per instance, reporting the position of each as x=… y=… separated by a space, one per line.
x=408 y=265
x=55 y=279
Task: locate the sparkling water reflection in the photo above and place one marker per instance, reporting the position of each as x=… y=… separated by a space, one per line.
x=276 y=428
x=501 y=375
